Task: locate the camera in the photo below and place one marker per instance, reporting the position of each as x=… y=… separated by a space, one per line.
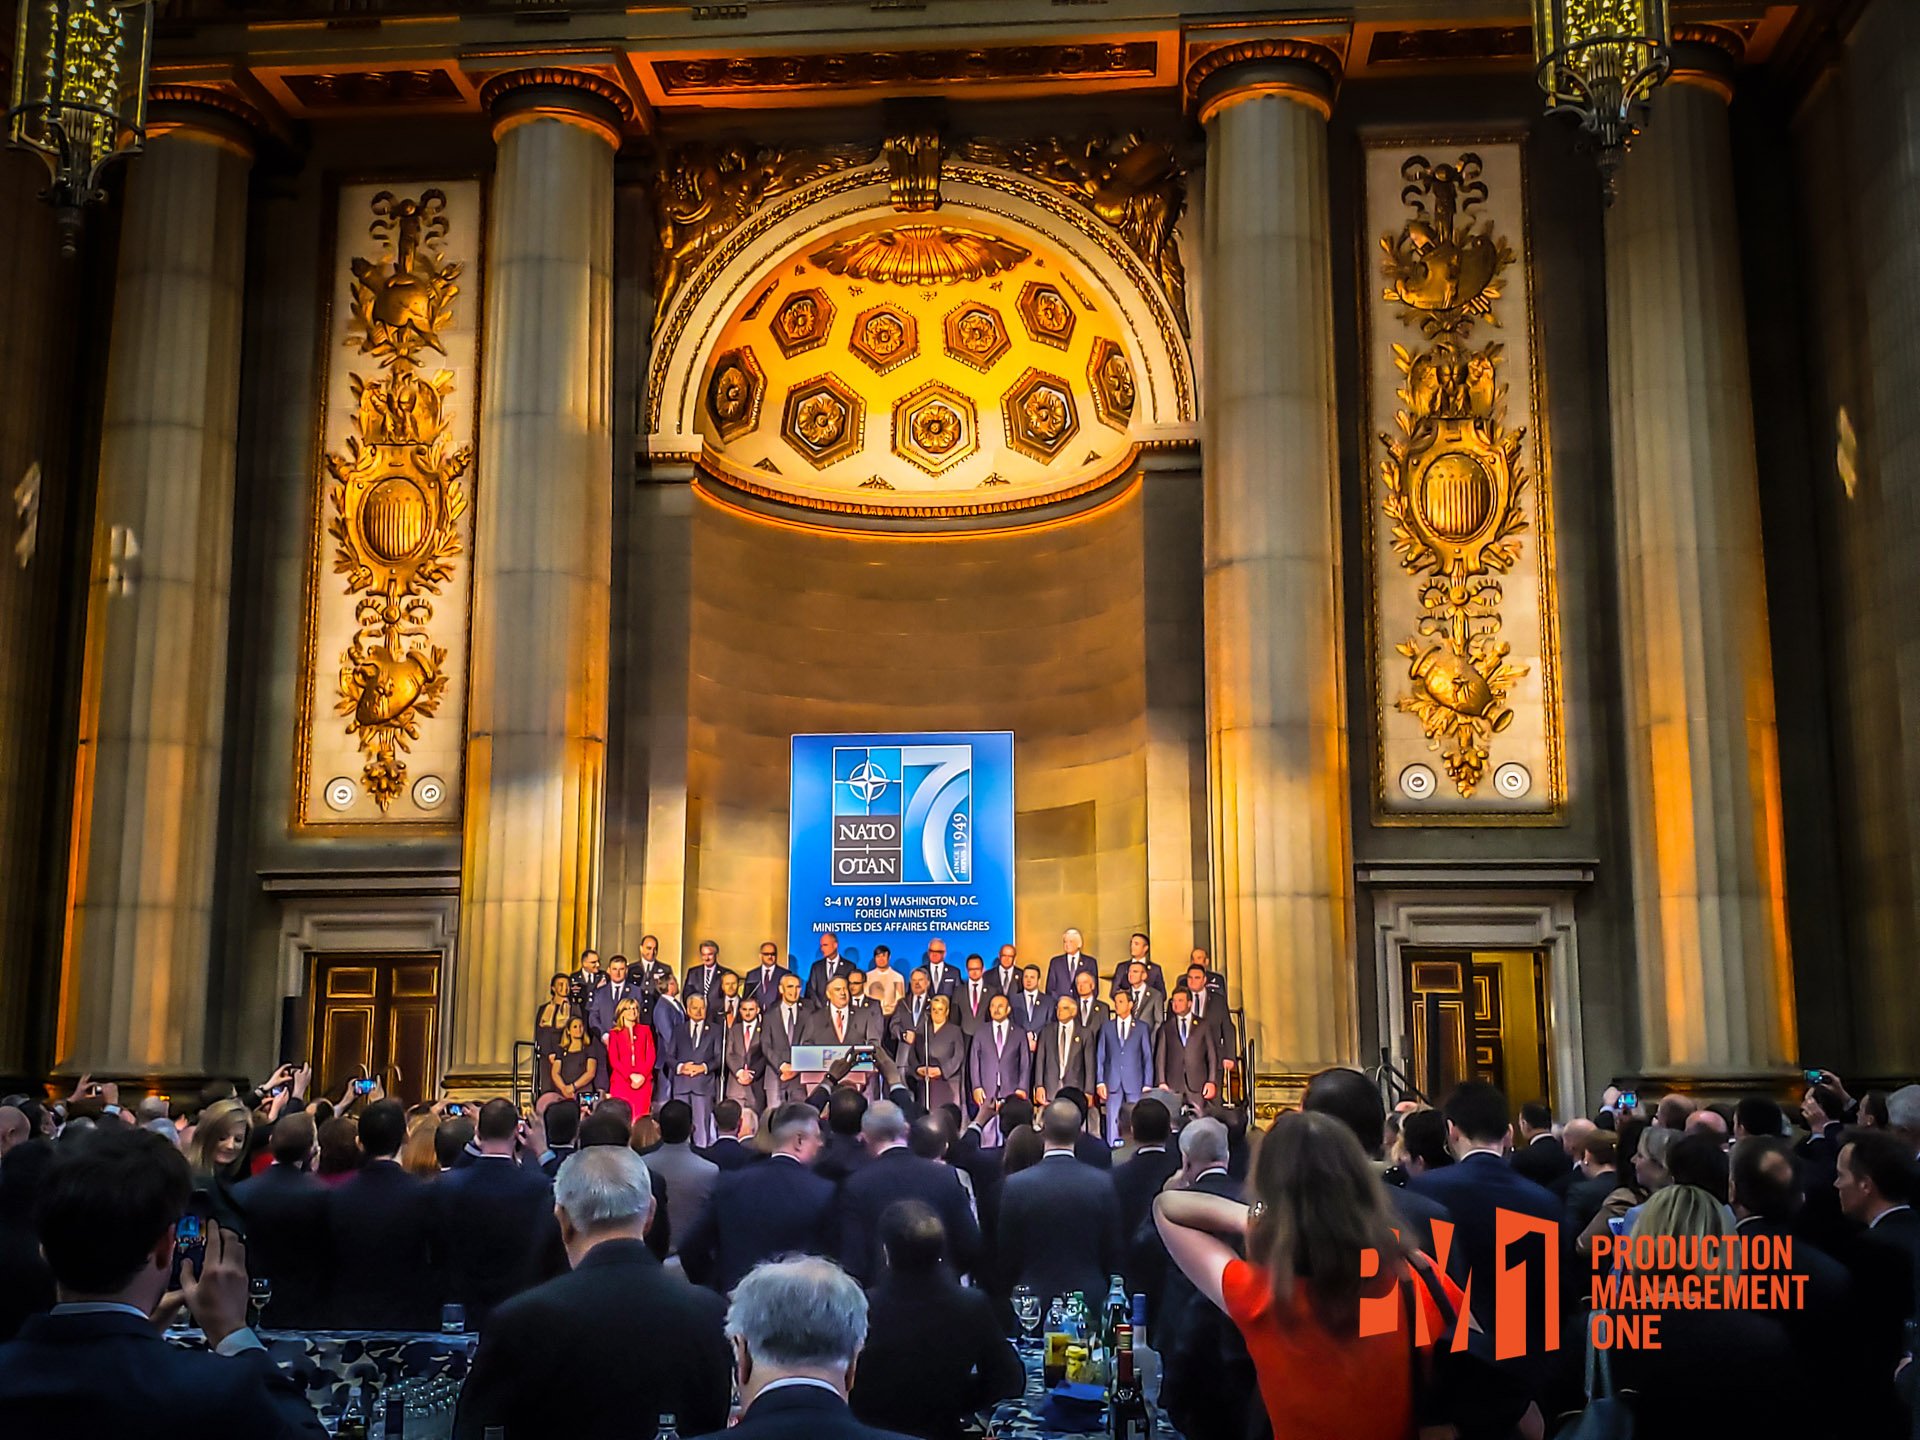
x=364 y=1087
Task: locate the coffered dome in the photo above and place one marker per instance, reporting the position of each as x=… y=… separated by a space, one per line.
x=924 y=365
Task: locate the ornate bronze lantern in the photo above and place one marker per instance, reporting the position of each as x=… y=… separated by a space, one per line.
x=1600 y=61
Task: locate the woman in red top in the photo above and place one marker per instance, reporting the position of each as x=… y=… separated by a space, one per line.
x=630 y=1055
x=1319 y=1300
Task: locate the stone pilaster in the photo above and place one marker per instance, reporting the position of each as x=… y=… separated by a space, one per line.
x=133 y=990
x=1702 y=752
x=1882 y=89
x=537 y=714
x=1276 y=710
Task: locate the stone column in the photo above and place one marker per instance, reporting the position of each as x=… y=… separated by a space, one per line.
x=1702 y=752
x=1881 y=169
x=1276 y=709
x=133 y=989
x=537 y=714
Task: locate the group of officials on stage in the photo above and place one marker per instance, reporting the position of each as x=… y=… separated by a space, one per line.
x=964 y=1033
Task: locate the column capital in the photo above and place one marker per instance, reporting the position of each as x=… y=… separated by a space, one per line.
x=1299 y=70
x=1707 y=56
x=553 y=92
x=207 y=112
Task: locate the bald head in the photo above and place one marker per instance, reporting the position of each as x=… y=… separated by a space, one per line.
x=1573 y=1138
x=1060 y=1125
x=14 y=1127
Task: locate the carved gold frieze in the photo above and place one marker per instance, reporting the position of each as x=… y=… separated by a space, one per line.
x=1457 y=503
x=976 y=335
x=839 y=71
x=387 y=614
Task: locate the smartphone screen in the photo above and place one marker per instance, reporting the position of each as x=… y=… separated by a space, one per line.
x=1813 y=1076
x=363 y=1087
x=189 y=1247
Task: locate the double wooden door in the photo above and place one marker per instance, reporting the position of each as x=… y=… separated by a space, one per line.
x=379 y=1016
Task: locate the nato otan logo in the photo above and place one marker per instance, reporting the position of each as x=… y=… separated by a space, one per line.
x=903 y=815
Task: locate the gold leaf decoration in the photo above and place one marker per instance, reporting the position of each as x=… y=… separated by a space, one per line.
x=1453 y=476
x=920 y=255
x=396 y=499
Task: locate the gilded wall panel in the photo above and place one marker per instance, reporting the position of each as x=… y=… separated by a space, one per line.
x=382 y=714
x=1461 y=617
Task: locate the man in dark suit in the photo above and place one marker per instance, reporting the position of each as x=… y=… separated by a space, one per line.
x=841 y=1152
x=1139 y=953
x=1000 y=1062
x=704 y=979
x=763 y=981
x=831 y=966
x=895 y=1173
x=1033 y=1008
x=936 y=1353
x=603 y=1197
x=778 y=1207
x=785 y=1028
x=1540 y=1156
x=1149 y=1004
x=1004 y=974
x=1184 y=1058
x=942 y=978
x=694 y=1067
x=797 y=1329
x=1035 y=1247
x=606 y=1000
x=494 y=1226
x=730 y=1150
x=1063 y=1057
x=285 y=1210
x=1070 y=962
x=1876 y=1187
x=1123 y=1062
x=970 y=1000
x=380 y=1231
x=1475 y=1189
x=1093 y=1011
x=838 y=1022
x=669 y=1021
x=1766 y=1198
x=1354 y=1100
x=96 y=1365
x=744 y=1058
x=1147 y=1170
x=908 y=1023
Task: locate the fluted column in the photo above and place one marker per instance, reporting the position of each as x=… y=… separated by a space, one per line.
x=1882 y=169
x=1702 y=752
x=1276 y=719
x=537 y=714
x=133 y=990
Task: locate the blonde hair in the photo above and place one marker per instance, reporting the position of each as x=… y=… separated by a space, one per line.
x=620 y=1012
x=222 y=1120
x=417 y=1155
x=1686 y=1213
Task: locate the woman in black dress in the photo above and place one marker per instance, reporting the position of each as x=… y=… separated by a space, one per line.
x=940 y=1059
x=575 y=1065
x=549 y=1026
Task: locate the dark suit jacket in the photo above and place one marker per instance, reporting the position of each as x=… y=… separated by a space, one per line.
x=700 y=982
x=952 y=977
x=965 y=1014
x=1186 y=1069
x=863 y=1026
x=935 y=1355
x=1010 y=987
x=685 y=1051
x=768 y=994
x=1542 y=1160
x=1092 y=1150
x=1139 y=1179
x=729 y=1153
x=496 y=1234
x=903 y=1019
x=1059 y=1229
x=110 y=1374
x=381 y=1256
x=1043 y=1012
x=285 y=1211
x=1156 y=978
x=737 y=1055
x=823 y=973
x=898 y=1174
x=1061 y=970
x=600 y=1009
x=801 y=1412
x=774 y=1208
x=1050 y=1075
x=1004 y=1071
x=527 y=1374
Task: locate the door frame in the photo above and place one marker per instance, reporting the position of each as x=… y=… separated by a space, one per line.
x=418 y=927
x=1469 y=913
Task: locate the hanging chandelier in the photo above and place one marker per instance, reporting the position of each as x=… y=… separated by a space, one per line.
x=1600 y=61
x=79 y=94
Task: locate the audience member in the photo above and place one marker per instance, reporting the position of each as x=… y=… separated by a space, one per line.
x=797 y=1328
x=756 y=1213
x=285 y=1211
x=1539 y=1155
x=419 y=1155
x=1423 y=1138
x=96 y=1365
x=689 y=1178
x=494 y=1227
x=1595 y=1176
x=379 y=1232
x=340 y=1153
x=451 y=1139
x=1757 y=1115
x=842 y=1153
x=1352 y=1099
x=736 y=1126
x=936 y=1353
x=895 y=1173
x=1034 y=1248
x=26 y=1284
x=672 y=1359
x=1142 y=1175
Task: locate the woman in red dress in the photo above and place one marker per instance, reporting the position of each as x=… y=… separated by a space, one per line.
x=1319 y=1298
x=630 y=1057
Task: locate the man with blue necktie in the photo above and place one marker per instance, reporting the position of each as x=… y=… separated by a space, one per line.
x=693 y=1066
x=1124 y=1062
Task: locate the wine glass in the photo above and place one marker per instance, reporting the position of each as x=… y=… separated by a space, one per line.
x=1026 y=1309
x=259 y=1296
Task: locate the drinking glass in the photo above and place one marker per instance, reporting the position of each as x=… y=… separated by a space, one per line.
x=259 y=1295
x=453 y=1319
x=1026 y=1310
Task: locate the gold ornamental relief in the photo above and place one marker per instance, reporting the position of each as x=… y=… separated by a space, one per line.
x=396 y=501
x=1453 y=476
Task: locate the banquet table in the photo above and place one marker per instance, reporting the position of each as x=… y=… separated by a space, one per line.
x=320 y=1360
x=1025 y=1418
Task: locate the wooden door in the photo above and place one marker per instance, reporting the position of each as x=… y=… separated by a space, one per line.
x=379 y=1016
